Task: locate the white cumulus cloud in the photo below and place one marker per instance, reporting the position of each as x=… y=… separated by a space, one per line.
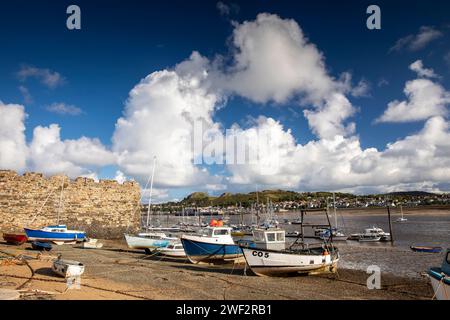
x=51 y=155
x=13 y=148
x=425 y=99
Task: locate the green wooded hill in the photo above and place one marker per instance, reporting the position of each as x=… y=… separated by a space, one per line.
x=246 y=199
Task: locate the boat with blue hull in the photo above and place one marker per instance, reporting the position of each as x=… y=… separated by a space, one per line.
x=58 y=234
x=426 y=249
x=213 y=245
x=42 y=246
x=440 y=278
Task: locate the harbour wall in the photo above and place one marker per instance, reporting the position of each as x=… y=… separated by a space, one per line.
x=104 y=209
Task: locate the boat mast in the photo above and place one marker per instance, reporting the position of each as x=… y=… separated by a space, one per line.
x=334 y=207
x=60 y=200
x=257 y=206
x=151 y=191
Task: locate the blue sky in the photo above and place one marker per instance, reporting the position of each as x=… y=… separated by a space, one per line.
x=121 y=42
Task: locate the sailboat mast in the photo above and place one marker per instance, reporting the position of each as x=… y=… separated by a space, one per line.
x=334 y=207
x=151 y=191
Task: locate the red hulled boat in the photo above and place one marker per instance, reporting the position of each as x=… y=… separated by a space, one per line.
x=15 y=238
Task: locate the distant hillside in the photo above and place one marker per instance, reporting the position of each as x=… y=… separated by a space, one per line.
x=411 y=194
x=246 y=199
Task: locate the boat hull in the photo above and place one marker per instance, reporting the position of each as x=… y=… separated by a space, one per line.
x=42 y=246
x=14 y=238
x=177 y=253
x=67 y=269
x=208 y=252
x=134 y=242
x=441 y=285
x=276 y=263
x=426 y=249
x=57 y=237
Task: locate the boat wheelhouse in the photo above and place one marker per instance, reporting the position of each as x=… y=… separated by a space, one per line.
x=211 y=245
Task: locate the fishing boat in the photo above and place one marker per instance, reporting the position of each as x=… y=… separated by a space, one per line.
x=42 y=246
x=92 y=244
x=426 y=249
x=440 y=278
x=270 y=257
x=371 y=234
x=58 y=234
x=67 y=268
x=15 y=238
x=175 y=250
x=211 y=245
x=369 y=238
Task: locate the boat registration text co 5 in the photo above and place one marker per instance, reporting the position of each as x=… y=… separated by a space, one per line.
x=260 y=254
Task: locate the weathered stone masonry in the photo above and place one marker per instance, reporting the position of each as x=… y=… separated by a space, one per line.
x=103 y=209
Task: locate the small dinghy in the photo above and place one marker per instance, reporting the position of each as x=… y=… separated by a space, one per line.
x=173 y=250
x=15 y=238
x=67 y=268
x=426 y=249
x=92 y=244
x=42 y=246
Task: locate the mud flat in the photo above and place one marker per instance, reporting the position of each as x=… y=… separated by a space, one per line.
x=114 y=272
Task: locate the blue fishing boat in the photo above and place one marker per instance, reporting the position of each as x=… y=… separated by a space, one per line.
x=440 y=278
x=426 y=249
x=42 y=246
x=213 y=244
x=57 y=234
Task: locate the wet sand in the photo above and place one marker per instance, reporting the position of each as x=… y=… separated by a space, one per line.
x=115 y=272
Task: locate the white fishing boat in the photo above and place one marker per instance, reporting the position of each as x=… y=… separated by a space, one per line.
x=173 y=250
x=67 y=268
x=440 y=279
x=369 y=238
x=371 y=234
x=92 y=244
x=269 y=256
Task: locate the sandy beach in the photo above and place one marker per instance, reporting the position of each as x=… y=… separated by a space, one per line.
x=115 y=272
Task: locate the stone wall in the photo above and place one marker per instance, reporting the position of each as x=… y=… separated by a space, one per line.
x=103 y=209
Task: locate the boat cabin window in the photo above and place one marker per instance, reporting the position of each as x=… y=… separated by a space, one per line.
x=280 y=236
x=270 y=236
x=259 y=236
x=448 y=257
x=220 y=232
